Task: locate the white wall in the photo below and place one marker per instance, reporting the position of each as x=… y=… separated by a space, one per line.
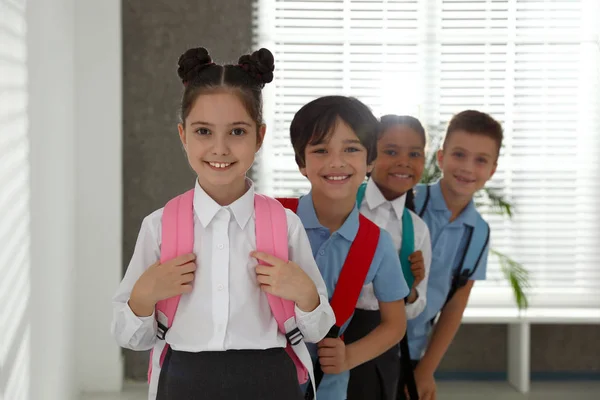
x=75 y=126
x=52 y=133
x=98 y=193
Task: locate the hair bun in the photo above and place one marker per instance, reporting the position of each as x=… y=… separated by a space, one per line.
x=259 y=65
x=192 y=62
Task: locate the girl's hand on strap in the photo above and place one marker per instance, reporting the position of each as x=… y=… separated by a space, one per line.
x=286 y=280
x=417 y=267
x=162 y=281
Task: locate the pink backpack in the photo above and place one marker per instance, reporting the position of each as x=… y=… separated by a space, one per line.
x=271 y=237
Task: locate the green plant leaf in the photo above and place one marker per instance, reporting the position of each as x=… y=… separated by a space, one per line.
x=517 y=276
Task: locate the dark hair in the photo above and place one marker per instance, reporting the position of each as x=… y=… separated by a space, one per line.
x=315 y=121
x=390 y=120
x=200 y=75
x=477 y=123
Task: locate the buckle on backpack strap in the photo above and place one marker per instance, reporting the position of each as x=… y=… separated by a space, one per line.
x=294 y=336
x=161 y=331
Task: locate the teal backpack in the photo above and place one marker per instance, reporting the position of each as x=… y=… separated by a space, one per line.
x=408 y=237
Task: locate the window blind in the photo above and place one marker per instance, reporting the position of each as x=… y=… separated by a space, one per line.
x=533 y=64
x=14 y=204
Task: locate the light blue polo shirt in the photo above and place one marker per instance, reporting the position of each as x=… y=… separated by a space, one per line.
x=448 y=243
x=330 y=251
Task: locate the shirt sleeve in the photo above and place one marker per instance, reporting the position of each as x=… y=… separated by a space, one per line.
x=481 y=271
x=389 y=283
x=129 y=330
x=413 y=310
x=314 y=325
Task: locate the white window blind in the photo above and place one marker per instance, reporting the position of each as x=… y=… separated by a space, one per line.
x=14 y=204
x=532 y=64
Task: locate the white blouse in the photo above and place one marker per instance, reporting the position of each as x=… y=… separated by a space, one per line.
x=226 y=309
x=388 y=215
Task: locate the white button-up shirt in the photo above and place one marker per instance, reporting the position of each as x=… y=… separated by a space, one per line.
x=226 y=308
x=388 y=215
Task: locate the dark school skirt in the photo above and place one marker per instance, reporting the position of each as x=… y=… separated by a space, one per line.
x=376 y=379
x=229 y=375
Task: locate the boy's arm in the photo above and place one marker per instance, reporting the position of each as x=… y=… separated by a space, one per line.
x=390 y=289
x=445 y=329
x=382 y=338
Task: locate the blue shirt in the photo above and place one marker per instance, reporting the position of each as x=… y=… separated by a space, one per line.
x=330 y=251
x=448 y=244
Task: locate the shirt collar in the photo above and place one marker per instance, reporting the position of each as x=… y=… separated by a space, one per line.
x=375 y=199
x=206 y=208
x=467 y=216
x=308 y=215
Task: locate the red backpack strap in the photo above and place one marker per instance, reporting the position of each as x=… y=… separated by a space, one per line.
x=354 y=272
x=290 y=203
x=350 y=282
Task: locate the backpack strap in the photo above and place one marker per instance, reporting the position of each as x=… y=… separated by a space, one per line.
x=407 y=247
x=290 y=203
x=354 y=272
x=272 y=238
x=408 y=237
x=177 y=238
x=350 y=282
x=477 y=241
x=360 y=195
x=421 y=199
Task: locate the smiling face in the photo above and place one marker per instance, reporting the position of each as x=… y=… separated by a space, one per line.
x=400 y=161
x=467 y=161
x=337 y=166
x=220 y=140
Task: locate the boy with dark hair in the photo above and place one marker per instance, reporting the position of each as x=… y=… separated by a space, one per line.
x=335 y=142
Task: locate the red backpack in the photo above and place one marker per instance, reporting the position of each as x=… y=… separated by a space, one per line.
x=351 y=280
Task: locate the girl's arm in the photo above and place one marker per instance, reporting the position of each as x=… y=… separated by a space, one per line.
x=315 y=323
x=390 y=289
x=416 y=307
x=387 y=334
x=130 y=330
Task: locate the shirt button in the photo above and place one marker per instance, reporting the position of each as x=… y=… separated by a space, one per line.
x=220 y=246
x=220 y=287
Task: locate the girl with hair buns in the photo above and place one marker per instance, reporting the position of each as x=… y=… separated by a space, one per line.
x=223 y=341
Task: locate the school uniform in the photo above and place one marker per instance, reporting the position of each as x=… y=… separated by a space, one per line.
x=378 y=379
x=224 y=340
x=448 y=241
x=330 y=251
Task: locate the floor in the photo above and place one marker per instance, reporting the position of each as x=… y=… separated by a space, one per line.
x=447 y=391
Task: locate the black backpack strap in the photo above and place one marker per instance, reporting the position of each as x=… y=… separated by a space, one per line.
x=462 y=275
x=425 y=202
x=407 y=370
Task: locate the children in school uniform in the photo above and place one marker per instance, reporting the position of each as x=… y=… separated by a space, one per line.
x=389 y=191
x=459 y=237
x=223 y=342
x=334 y=140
